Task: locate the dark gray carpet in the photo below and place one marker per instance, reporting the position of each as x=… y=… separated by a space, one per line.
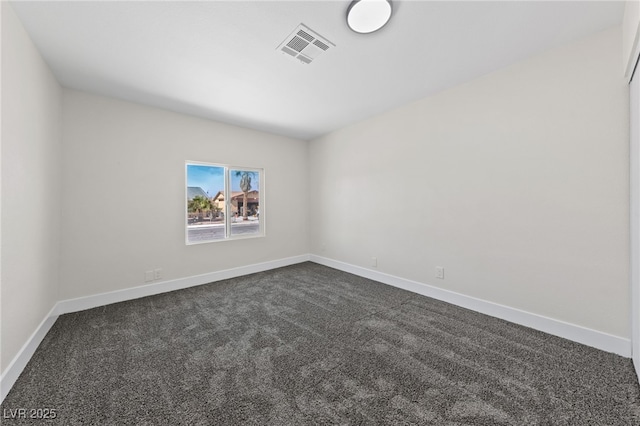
x=308 y=344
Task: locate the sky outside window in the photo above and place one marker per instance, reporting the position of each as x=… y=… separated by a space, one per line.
x=211 y=179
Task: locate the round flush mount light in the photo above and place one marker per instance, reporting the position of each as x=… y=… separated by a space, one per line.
x=367 y=16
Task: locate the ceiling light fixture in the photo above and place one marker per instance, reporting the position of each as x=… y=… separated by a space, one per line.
x=367 y=16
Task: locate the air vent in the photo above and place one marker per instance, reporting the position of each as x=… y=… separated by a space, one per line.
x=297 y=44
x=321 y=45
x=305 y=36
x=304 y=44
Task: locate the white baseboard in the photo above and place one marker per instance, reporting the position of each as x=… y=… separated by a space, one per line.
x=96 y=300
x=19 y=362
x=596 y=339
x=576 y=333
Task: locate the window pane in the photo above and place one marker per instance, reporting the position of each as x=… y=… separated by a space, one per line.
x=205 y=203
x=245 y=201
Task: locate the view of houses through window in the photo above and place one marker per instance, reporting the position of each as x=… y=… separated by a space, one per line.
x=222 y=202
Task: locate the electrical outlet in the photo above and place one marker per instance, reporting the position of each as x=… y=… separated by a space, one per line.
x=374 y=262
x=440 y=272
x=157 y=274
x=148 y=276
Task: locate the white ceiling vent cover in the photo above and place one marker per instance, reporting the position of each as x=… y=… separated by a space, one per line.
x=305 y=44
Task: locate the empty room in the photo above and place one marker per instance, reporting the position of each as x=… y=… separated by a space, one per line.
x=320 y=212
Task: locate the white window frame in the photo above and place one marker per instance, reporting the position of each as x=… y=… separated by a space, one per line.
x=227 y=203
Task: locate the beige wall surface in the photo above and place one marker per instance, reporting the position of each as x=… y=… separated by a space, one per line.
x=31 y=164
x=516 y=183
x=630 y=36
x=124 y=194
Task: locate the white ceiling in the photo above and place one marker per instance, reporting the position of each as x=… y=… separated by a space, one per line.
x=218 y=59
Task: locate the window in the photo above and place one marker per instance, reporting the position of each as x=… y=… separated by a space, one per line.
x=223 y=202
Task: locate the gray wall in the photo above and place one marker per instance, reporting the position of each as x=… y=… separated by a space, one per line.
x=124 y=192
x=31 y=191
x=517 y=183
